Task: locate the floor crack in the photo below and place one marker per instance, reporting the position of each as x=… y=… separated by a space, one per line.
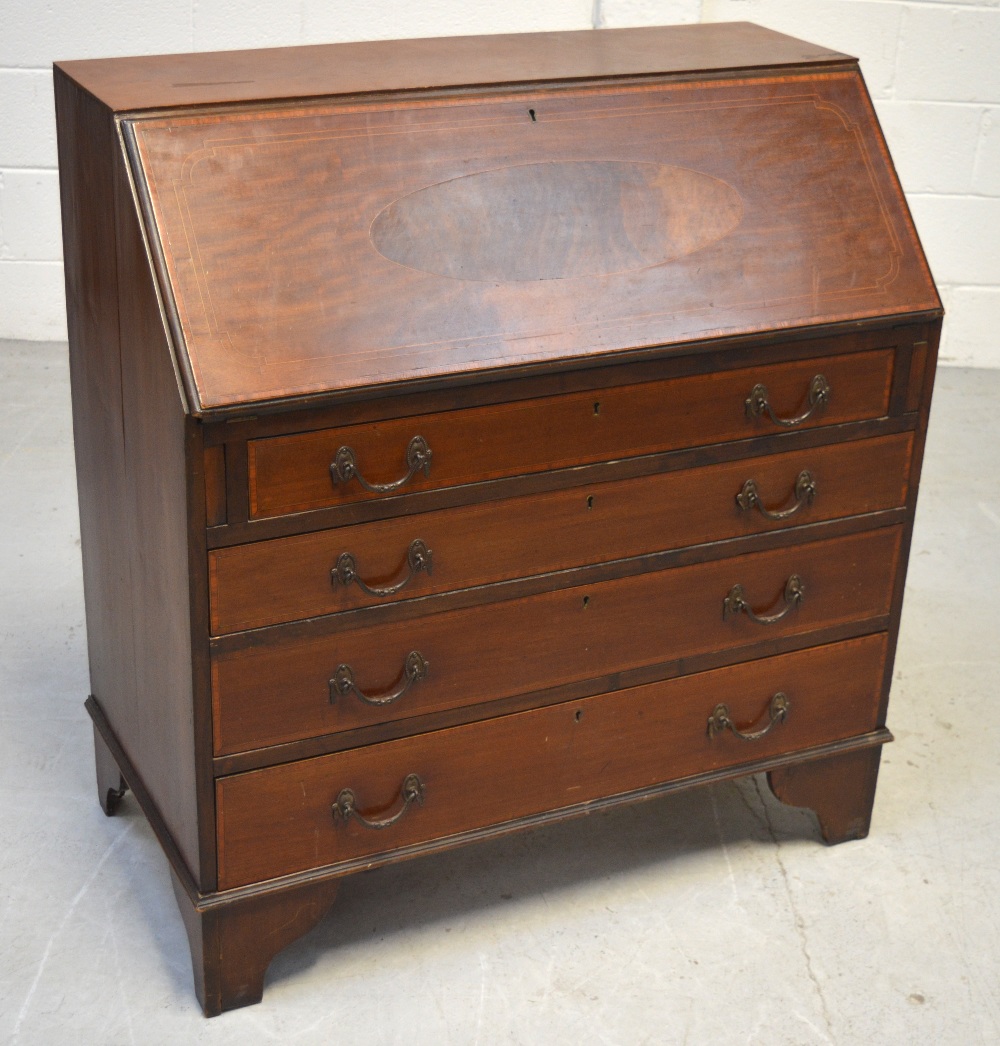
x=800 y=925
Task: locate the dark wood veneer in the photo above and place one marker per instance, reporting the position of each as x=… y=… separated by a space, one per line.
x=566 y=274
x=292 y=473
x=167 y=81
x=280 y=692
x=629 y=367
x=269 y=582
x=839 y=789
x=389 y=507
x=291 y=325
x=279 y=820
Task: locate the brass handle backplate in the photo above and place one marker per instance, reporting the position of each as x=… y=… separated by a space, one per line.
x=418 y=459
x=418 y=557
x=346 y=805
x=721 y=720
x=736 y=602
x=343 y=683
x=805 y=490
x=758 y=402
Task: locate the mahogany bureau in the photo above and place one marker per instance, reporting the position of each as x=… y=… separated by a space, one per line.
x=476 y=432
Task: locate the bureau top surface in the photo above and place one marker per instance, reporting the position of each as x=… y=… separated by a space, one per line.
x=166 y=81
x=317 y=247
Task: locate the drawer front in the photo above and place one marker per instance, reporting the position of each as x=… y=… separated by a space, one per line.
x=308 y=575
x=296 y=473
x=283 y=690
x=280 y=820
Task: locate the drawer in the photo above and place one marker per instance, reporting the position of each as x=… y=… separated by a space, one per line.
x=296 y=473
x=281 y=688
x=285 y=579
x=280 y=820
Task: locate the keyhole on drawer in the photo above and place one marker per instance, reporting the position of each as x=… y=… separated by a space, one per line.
x=597 y=407
x=586 y=602
x=531 y=113
x=590 y=501
x=578 y=714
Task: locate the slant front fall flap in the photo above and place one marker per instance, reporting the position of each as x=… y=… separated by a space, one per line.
x=340 y=245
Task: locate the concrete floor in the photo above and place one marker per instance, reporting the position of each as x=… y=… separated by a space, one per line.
x=715 y=916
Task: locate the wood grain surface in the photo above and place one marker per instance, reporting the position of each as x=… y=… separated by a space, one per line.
x=335 y=289
x=372 y=67
x=279 y=820
x=292 y=473
x=165 y=732
x=277 y=690
x=233 y=945
x=840 y=790
x=130 y=436
x=269 y=582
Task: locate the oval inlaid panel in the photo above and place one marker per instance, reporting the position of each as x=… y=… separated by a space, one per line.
x=554 y=221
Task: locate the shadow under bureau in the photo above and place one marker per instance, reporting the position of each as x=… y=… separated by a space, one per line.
x=475 y=432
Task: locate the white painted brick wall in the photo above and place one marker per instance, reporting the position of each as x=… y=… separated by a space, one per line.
x=950 y=53
x=32 y=300
x=933 y=144
x=614 y=14
x=358 y=20
x=986 y=171
x=932 y=66
x=27 y=119
x=29 y=216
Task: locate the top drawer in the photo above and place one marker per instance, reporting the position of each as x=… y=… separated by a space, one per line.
x=313 y=470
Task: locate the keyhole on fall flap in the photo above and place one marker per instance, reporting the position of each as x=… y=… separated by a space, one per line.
x=586 y=602
x=531 y=113
x=578 y=714
x=590 y=501
x=597 y=408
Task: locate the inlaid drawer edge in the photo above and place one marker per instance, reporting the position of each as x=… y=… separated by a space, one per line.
x=667 y=514
x=481 y=773
x=325 y=744
x=872 y=739
x=284 y=691
x=484 y=388
x=304 y=471
x=242 y=530
x=503 y=591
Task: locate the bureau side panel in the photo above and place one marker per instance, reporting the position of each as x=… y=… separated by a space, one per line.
x=129 y=443
x=164 y=541
x=86 y=150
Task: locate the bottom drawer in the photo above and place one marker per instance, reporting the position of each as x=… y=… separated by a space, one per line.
x=305 y=815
